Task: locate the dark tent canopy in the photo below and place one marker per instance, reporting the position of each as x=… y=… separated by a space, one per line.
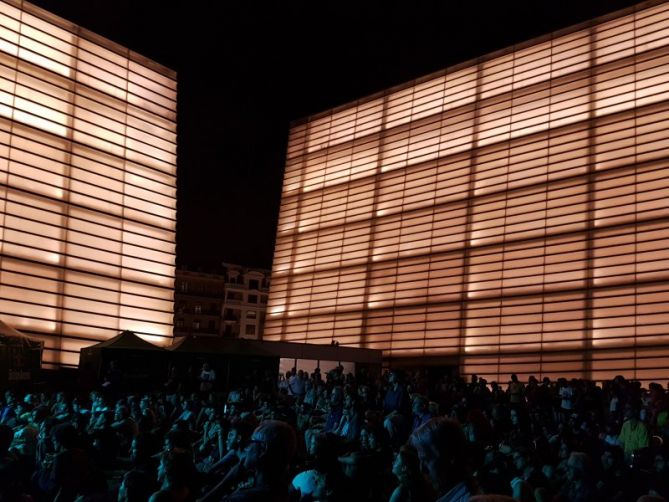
x=235 y=361
x=20 y=356
x=132 y=361
x=125 y=340
x=211 y=345
x=240 y=361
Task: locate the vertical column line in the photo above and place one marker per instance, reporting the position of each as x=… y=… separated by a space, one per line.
x=500 y=345
x=464 y=302
x=636 y=202
x=296 y=232
x=586 y=354
x=67 y=180
x=123 y=197
x=372 y=227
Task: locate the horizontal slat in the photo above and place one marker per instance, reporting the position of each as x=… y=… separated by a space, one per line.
x=87 y=188
x=513 y=213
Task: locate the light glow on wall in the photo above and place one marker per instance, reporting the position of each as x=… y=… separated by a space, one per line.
x=511 y=213
x=87 y=186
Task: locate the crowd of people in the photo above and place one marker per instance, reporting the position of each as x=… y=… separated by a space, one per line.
x=335 y=436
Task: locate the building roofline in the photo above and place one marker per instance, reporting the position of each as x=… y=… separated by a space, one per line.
x=93 y=37
x=480 y=59
x=246 y=268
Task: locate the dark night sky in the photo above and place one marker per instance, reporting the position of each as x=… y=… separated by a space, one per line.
x=248 y=68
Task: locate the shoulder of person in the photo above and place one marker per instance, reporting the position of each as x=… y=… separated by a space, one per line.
x=255 y=494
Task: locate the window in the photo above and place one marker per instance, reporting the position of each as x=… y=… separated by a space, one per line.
x=213 y=308
x=234 y=296
x=232 y=314
x=251 y=314
x=250 y=329
x=197 y=309
x=253 y=284
x=179 y=323
x=196 y=324
x=253 y=298
x=212 y=325
x=263 y=299
x=183 y=286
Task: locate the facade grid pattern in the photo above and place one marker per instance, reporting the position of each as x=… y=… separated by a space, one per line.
x=511 y=213
x=87 y=185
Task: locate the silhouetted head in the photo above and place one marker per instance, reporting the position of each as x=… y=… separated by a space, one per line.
x=441 y=447
x=271 y=447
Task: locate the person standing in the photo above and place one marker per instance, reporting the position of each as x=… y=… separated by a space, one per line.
x=207 y=378
x=634 y=434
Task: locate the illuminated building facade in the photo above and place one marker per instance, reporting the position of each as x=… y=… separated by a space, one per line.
x=509 y=214
x=87 y=186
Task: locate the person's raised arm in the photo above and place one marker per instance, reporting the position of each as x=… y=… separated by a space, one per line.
x=233 y=476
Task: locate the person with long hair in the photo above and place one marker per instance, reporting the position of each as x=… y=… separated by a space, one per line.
x=406 y=468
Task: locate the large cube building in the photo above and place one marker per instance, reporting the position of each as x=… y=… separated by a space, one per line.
x=508 y=214
x=87 y=185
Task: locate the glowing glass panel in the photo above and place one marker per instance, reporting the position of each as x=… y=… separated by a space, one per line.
x=511 y=212
x=88 y=205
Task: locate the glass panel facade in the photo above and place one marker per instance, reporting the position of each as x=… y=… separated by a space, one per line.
x=87 y=186
x=512 y=213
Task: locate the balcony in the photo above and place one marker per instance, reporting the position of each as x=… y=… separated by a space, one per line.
x=185 y=331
